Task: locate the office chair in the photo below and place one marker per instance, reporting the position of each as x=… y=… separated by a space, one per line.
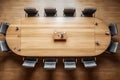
x=3 y=28
x=50 y=63
x=89 y=62
x=113 y=29
x=69 y=12
x=113 y=47
x=29 y=62
x=69 y=63
x=50 y=12
x=3 y=46
x=31 y=12
x=88 y=12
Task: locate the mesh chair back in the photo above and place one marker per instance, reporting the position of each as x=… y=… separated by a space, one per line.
x=88 y=12
x=50 y=12
x=69 y=12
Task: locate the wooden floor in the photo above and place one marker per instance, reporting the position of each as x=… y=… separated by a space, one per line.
x=108 y=65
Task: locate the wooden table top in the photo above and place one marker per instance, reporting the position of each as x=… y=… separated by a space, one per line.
x=34 y=36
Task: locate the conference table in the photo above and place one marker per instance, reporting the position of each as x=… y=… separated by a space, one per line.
x=58 y=36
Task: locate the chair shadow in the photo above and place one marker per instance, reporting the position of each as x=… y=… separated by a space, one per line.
x=81 y=72
x=88 y=74
x=84 y=73
x=28 y=72
x=4 y=62
x=113 y=58
x=10 y=56
x=51 y=74
x=71 y=75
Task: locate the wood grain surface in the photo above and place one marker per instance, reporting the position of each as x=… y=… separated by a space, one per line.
x=34 y=36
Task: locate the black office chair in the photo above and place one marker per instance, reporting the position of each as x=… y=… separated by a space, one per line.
x=113 y=47
x=69 y=12
x=50 y=63
x=29 y=62
x=3 y=46
x=3 y=28
x=50 y=12
x=113 y=29
x=70 y=63
x=88 y=12
x=89 y=62
x=31 y=12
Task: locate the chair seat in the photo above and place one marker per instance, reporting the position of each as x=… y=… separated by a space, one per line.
x=3 y=28
x=29 y=63
x=33 y=15
x=87 y=15
x=113 y=47
x=50 y=65
x=3 y=46
x=50 y=12
x=90 y=64
x=69 y=65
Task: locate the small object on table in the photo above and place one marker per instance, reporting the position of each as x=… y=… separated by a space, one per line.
x=17 y=28
x=107 y=33
x=18 y=35
x=19 y=49
x=15 y=48
x=97 y=43
x=59 y=36
x=96 y=23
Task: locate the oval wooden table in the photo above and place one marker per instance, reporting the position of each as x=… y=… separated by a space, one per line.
x=58 y=36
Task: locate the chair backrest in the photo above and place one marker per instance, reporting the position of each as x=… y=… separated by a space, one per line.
x=89 y=62
x=50 y=63
x=113 y=47
x=113 y=29
x=29 y=62
x=31 y=12
x=50 y=12
x=3 y=28
x=70 y=64
x=3 y=46
x=88 y=12
x=69 y=12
